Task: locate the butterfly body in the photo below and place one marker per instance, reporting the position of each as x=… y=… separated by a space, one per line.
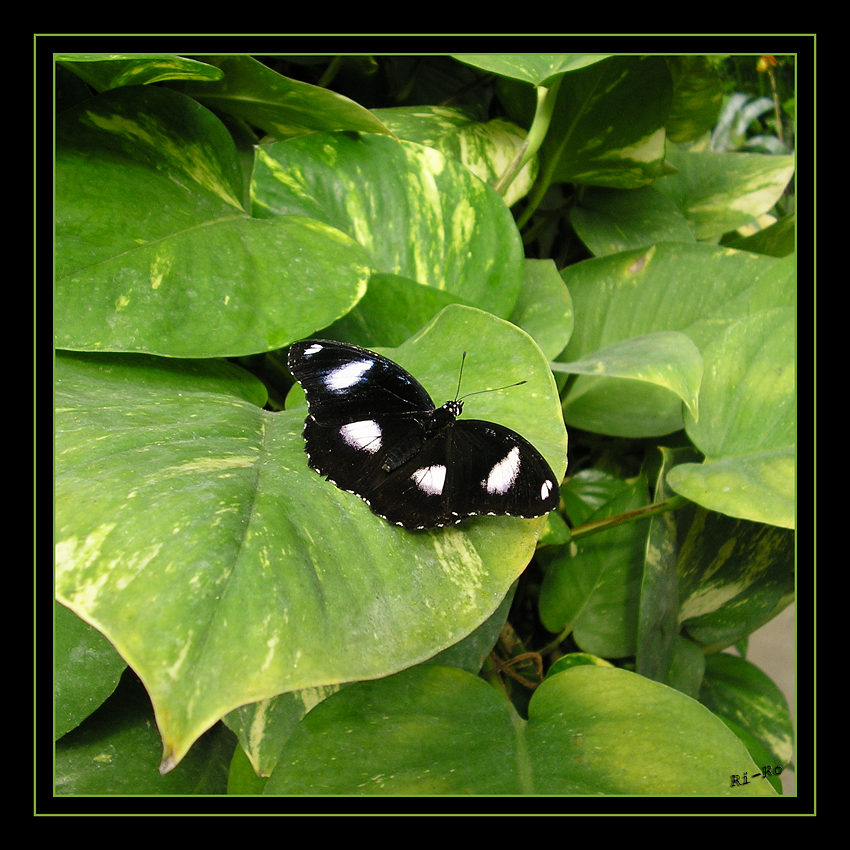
x=373 y=430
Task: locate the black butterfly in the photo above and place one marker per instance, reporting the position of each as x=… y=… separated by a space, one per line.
x=374 y=431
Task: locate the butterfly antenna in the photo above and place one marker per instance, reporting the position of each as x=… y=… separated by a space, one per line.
x=460 y=375
x=478 y=392
x=493 y=390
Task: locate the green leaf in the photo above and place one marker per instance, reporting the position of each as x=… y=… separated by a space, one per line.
x=777 y=288
x=544 y=308
x=775 y=240
x=242 y=779
x=696 y=289
x=587 y=491
x=438 y=730
x=663 y=654
x=733 y=576
x=417 y=213
x=105 y=71
x=87 y=669
x=666 y=358
x=485 y=149
x=745 y=697
x=154 y=252
x=718 y=192
x=264 y=727
x=658 y=616
x=607 y=127
x=116 y=751
x=748 y=427
x=591 y=587
x=686 y=669
x=536 y=68
x=612 y=220
x=281 y=106
x=192 y=533
x=576 y=659
x=697 y=97
x=393 y=309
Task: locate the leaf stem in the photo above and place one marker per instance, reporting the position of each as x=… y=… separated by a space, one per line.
x=536 y=134
x=589 y=528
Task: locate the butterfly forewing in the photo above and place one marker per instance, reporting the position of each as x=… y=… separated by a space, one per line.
x=362 y=407
x=346 y=383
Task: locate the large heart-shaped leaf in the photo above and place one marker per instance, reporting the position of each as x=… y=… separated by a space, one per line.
x=439 y=730
x=416 y=212
x=695 y=289
x=485 y=149
x=191 y=532
x=748 y=433
x=154 y=252
x=264 y=727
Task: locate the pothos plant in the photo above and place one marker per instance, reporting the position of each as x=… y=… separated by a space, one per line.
x=212 y=210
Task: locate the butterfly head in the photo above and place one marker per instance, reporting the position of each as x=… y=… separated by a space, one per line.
x=454 y=408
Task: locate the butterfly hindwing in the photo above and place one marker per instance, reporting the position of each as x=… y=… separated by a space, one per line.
x=498 y=471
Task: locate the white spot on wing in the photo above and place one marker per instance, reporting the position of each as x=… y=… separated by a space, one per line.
x=347 y=376
x=430 y=479
x=546 y=489
x=504 y=473
x=364 y=435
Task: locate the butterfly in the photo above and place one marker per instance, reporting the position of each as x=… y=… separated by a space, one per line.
x=374 y=431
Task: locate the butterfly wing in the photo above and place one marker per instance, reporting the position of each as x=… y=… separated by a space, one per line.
x=413 y=494
x=363 y=407
x=466 y=468
x=344 y=382
x=494 y=470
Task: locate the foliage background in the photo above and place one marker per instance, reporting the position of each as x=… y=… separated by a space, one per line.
x=211 y=210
